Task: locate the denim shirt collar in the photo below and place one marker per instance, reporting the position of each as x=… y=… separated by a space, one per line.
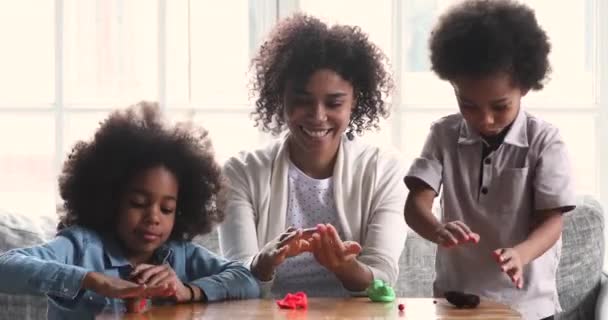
x=115 y=257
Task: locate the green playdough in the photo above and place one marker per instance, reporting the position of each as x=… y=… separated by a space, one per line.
x=379 y=291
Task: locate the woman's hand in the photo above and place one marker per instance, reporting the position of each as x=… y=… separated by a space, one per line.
x=330 y=251
x=290 y=243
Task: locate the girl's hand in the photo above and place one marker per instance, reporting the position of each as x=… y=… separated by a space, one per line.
x=118 y=288
x=330 y=251
x=162 y=276
x=454 y=233
x=511 y=263
x=290 y=243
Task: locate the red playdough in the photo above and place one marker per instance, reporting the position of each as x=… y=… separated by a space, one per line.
x=137 y=305
x=293 y=301
x=401 y=307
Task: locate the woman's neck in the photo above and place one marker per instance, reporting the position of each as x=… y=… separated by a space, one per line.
x=315 y=165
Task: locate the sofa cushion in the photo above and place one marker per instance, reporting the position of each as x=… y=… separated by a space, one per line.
x=580 y=267
x=17 y=230
x=416 y=267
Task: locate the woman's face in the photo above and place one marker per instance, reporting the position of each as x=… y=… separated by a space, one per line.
x=318 y=113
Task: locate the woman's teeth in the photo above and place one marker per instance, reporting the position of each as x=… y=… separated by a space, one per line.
x=316 y=133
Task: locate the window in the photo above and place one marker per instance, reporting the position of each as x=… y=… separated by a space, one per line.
x=568 y=100
x=110 y=54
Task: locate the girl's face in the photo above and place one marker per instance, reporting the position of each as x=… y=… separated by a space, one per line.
x=318 y=113
x=488 y=104
x=147 y=212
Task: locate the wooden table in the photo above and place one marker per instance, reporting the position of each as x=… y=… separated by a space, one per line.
x=326 y=308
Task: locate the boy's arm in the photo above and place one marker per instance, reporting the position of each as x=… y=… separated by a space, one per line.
x=217 y=278
x=544 y=235
x=553 y=188
x=418 y=209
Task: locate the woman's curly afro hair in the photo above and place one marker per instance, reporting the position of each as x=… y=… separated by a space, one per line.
x=299 y=46
x=129 y=141
x=483 y=37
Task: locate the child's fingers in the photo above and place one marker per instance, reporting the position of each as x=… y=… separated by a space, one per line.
x=498 y=255
x=446 y=238
x=508 y=265
x=131 y=292
x=140 y=268
x=157 y=290
x=456 y=231
x=159 y=278
x=145 y=275
x=519 y=283
x=471 y=236
x=516 y=276
x=474 y=237
x=506 y=255
x=463 y=226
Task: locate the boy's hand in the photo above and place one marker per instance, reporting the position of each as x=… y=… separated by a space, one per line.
x=510 y=262
x=454 y=233
x=162 y=276
x=114 y=287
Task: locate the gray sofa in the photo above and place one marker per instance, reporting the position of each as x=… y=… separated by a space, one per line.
x=579 y=281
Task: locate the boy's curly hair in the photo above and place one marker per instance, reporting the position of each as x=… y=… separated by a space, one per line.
x=299 y=46
x=97 y=172
x=483 y=37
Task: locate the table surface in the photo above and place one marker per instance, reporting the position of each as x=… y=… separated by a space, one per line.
x=326 y=308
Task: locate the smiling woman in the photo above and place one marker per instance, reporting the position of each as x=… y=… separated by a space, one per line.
x=320 y=85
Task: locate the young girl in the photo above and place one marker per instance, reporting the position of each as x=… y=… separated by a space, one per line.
x=320 y=85
x=133 y=198
x=505 y=173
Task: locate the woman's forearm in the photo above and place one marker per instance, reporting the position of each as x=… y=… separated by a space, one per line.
x=355 y=276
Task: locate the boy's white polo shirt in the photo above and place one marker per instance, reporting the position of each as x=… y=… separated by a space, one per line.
x=530 y=171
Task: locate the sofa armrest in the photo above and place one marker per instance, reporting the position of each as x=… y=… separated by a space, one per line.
x=601 y=307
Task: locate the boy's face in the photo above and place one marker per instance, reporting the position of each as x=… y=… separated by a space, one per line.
x=147 y=212
x=318 y=113
x=488 y=104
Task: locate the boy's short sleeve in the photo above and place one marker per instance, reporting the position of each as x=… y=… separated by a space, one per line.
x=429 y=166
x=553 y=183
